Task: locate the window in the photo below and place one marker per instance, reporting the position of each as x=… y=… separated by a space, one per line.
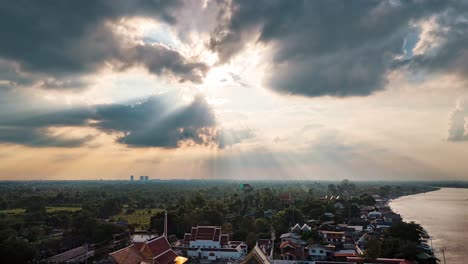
x=321 y=251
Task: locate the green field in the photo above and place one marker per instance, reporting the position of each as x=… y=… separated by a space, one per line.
x=49 y=209
x=140 y=218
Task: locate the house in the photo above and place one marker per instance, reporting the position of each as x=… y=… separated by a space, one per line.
x=338 y=206
x=296 y=228
x=154 y=251
x=374 y=215
x=319 y=252
x=266 y=245
x=333 y=237
x=292 y=251
x=257 y=256
x=359 y=260
x=329 y=215
x=293 y=237
x=269 y=213
x=342 y=255
x=75 y=255
x=208 y=242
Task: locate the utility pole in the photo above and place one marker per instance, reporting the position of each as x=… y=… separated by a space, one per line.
x=165 y=223
x=443 y=254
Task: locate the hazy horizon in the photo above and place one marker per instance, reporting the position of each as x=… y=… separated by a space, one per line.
x=232 y=89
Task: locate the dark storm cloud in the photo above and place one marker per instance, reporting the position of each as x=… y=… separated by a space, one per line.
x=67 y=38
x=39 y=137
x=452 y=54
x=154 y=122
x=337 y=47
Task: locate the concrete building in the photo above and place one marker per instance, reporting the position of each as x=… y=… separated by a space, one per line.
x=320 y=252
x=76 y=255
x=208 y=242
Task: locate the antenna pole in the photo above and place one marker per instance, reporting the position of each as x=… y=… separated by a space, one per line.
x=165 y=223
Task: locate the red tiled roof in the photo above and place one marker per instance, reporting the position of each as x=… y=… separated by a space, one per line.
x=224 y=239
x=212 y=233
x=166 y=257
x=158 y=245
x=187 y=237
x=193 y=233
x=288 y=243
x=139 y=245
x=217 y=234
x=345 y=254
x=157 y=250
x=128 y=255
x=205 y=233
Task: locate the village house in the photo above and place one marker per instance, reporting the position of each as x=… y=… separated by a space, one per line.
x=293 y=237
x=266 y=245
x=320 y=252
x=333 y=237
x=292 y=251
x=374 y=215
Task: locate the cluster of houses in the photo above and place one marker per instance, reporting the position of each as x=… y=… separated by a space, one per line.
x=335 y=244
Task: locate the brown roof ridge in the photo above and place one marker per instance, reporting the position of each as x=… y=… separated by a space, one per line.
x=163 y=253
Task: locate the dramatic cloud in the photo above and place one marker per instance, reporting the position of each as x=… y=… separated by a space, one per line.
x=39 y=137
x=154 y=122
x=338 y=48
x=229 y=137
x=446 y=40
x=457 y=124
x=61 y=40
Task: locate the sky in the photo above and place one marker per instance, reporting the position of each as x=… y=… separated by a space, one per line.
x=234 y=89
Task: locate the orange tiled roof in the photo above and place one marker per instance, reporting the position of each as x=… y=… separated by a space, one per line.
x=128 y=255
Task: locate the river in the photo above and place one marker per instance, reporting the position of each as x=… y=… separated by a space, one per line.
x=444 y=215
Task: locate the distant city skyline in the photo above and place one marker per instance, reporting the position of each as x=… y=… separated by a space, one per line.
x=204 y=89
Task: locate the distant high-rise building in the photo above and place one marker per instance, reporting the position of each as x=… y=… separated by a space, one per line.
x=146 y=178
x=142 y=178
x=131 y=177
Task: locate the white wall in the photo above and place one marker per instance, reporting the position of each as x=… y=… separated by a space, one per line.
x=205 y=244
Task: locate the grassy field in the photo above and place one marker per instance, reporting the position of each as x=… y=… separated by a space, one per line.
x=53 y=209
x=140 y=218
x=49 y=209
x=15 y=211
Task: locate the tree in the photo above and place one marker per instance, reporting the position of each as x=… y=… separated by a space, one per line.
x=35 y=209
x=262 y=228
x=367 y=199
x=251 y=239
x=110 y=207
x=406 y=231
x=332 y=189
x=16 y=250
x=373 y=249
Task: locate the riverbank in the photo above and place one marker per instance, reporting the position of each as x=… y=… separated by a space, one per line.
x=443 y=214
